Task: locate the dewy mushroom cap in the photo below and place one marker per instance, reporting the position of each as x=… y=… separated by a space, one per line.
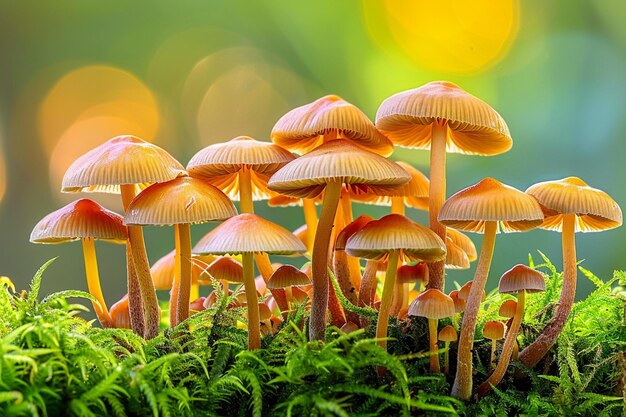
x=336 y=161
x=595 y=210
x=394 y=232
x=179 y=201
x=521 y=277
x=249 y=233
x=80 y=219
x=301 y=130
x=490 y=200
x=121 y=160
x=475 y=127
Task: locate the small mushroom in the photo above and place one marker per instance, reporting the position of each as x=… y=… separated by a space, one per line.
x=120 y=316
x=408 y=276
x=434 y=305
x=288 y=277
x=447 y=335
x=493 y=330
x=226 y=269
x=234 y=237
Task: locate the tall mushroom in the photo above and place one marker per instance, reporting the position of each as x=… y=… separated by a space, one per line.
x=122 y=165
x=442 y=117
x=520 y=279
x=391 y=238
x=485 y=207
x=326 y=169
x=84 y=220
x=570 y=206
x=247 y=234
x=180 y=202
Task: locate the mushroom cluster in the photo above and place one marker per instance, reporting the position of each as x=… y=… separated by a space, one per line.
x=328 y=153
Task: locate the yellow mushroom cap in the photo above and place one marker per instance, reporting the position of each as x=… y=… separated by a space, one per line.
x=179 y=201
x=301 y=129
x=414 y=193
x=595 y=210
x=464 y=242
x=395 y=232
x=490 y=200
x=432 y=304
x=287 y=276
x=80 y=219
x=508 y=308
x=336 y=161
x=456 y=258
x=227 y=269
x=411 y=274
x=521 y=277
x=447 y=334
x=249 y=233
x=475 y=127
x=494 y=330
x=162 y=271
x=121 y=160
x=347 y=232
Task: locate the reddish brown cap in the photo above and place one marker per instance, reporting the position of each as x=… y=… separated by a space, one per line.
x=393 y=233
x=336 y=161
x=494 y=330
x=80 y=219
x=490 y=200
x=475 y=128
x=595 y=210
x=122 y=160
x=301 y=129
x=432 y=304
x=521 y=277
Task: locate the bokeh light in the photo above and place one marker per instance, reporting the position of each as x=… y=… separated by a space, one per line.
x=447 y=35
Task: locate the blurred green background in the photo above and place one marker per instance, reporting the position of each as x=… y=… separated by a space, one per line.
x=188 y=74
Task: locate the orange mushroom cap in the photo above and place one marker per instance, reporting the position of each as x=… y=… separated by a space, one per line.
x=521 y=277
x=410 y=274
x=227 y=269
x=490 y=200
x=508 y=308
x=465 y=290
x=162 y=271
x=464 y=242
x=337 y=161
x=395 y=232
x=182 y=200
x=80 y=219
x=494 y=330
x=595 y=210
x=301 y=130
x=120 y=314
x=287 y=276
x=122 y=160
x=432 y=304
x=448 y=334
x=456 y=258
x=249 y=233
x=347 y=232
x=475 y=127
x=459 y=303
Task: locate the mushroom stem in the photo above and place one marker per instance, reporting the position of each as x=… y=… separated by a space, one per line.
x=507 y=349
x=446 y=358
x=385 y=302
x=534 y=352
x=343 y=274
x=152 y=311
x=254 y=326
x=367 y=290
x=346 y=208
x=93 y=282
x=319 y=265
x=310 y=218
x=434 y=355
x=492 y=357
x=462 y=387
x=135 y=303
x=437 y=197
x=176 y=279
x=245 y=191
x=262 y=261
x=194 y=291
x=184 y=233
x=398 y=295
x=397 y=205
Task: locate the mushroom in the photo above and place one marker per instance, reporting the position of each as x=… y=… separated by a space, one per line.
x=520 y=279
x=180 y=202
x=162 y=272
x=241 y=168
x=463 y=242
x=442 y=117
x=434 y=305
x=447 y=335
x=393 y=237
x=121 y=165
x=120 y=316
x=84 y=220
x=507 y=309
x=287 y=276
x=493 y=330
x=570 y=206
x=226 y=269
x=485 y=207
x=326 y=169
x=234 y=237
x=408 y=275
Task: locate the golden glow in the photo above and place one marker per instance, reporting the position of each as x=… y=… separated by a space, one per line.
x=445 y=35
x=97 y=91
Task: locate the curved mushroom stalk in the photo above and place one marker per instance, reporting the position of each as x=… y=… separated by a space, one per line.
x=93 y=282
